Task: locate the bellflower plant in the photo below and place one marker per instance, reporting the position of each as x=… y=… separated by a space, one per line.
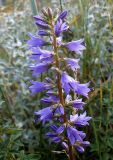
x=62 y=91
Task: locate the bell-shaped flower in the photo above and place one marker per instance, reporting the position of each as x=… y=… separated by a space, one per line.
x=55 y=134
x=78 y=104
x=80 y=145
x=76 y=46
x=66 y=82
x=82 y=89
x=35 y=41
x=37 y=87
x=72 y=63
x=45 y=114
x=48 y=113
x=80 y=120
x=75 y=135
x=41 y=55
x=60 y=27
x=39 y=68
x=50 y=100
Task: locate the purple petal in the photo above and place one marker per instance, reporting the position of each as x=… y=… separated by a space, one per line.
x=42 y=24
x=60 y=129
x=42 y=33
x=59 y=110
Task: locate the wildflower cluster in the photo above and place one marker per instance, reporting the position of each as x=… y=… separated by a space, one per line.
x=62 y=90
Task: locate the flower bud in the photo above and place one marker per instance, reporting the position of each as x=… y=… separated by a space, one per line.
x=50 y=13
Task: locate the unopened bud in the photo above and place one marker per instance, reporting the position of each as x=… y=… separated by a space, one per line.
x=50 y=13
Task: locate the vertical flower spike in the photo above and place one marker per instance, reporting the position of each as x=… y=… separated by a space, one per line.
x=62 y=91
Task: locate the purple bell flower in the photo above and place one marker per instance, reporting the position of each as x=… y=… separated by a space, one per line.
x=41 y=55
x=60 y=27
x=78 y=88
x=48 y=113
x=78 y=104
x=80 y=120
x=66 y=82
x=45 y=114
x=75 y=135
x=35 y=41
x=46 y=57
x=76 y=46
x=82 y=89
x=37 y=87
x=59 y=110
x=54 y=137
x=80 y=145
x=50 y=100
x=39 y=68
x=79 y=148
x=55 y=134
x=72 y=63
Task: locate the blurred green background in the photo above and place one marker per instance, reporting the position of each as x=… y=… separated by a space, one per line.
x=20 y=137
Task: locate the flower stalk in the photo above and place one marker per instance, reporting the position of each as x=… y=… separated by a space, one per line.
x=59 y=85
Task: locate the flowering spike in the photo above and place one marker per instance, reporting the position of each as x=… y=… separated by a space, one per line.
x=62 y=91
